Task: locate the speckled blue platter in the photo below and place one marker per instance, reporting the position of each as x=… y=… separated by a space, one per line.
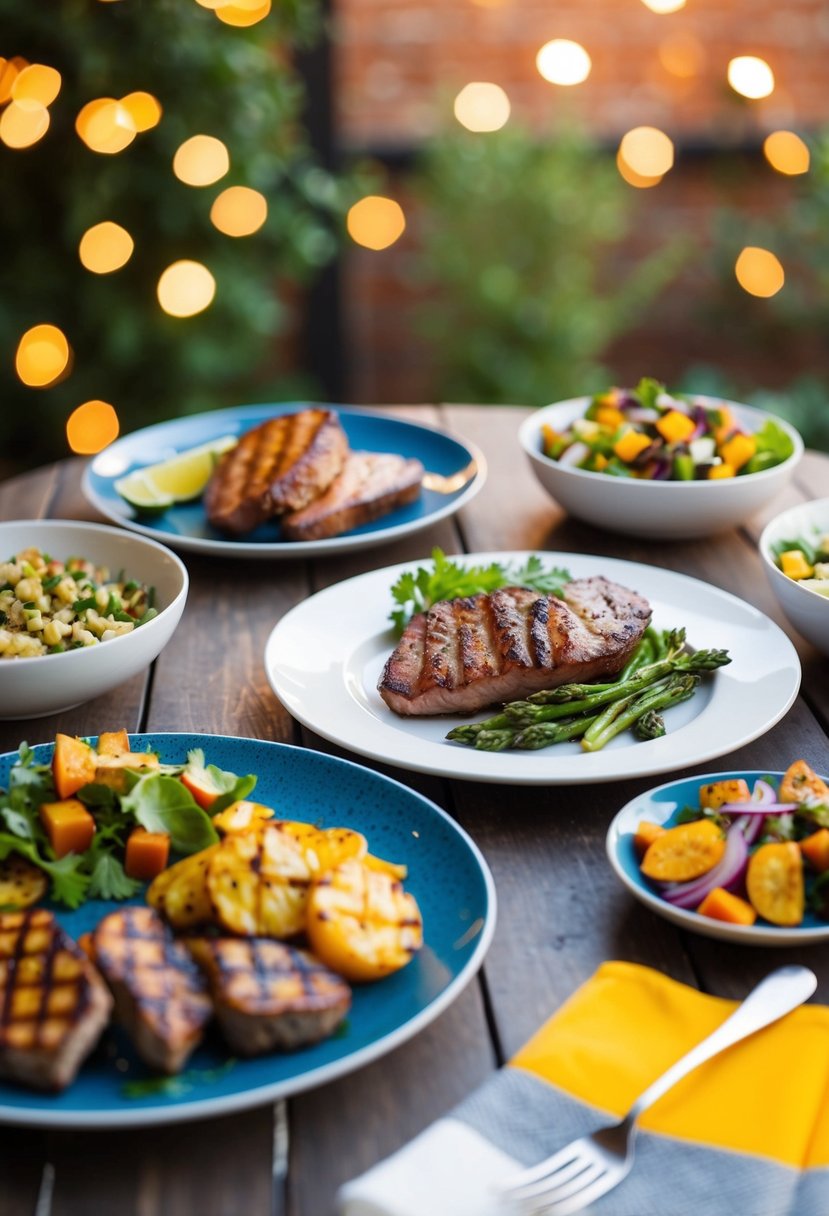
x=185 y=527
x=447 y=876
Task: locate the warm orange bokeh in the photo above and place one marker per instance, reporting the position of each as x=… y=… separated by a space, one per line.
x=91 y=427
x=105 y=247
x=759 y=272
x=201 y=160
x=186 y=288
x=376 y=222
x=239 y=211
x=42 y=356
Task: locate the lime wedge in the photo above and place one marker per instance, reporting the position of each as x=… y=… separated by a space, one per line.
x=182 y=478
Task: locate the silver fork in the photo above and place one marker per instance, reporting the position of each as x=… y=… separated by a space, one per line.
x=586 y=1169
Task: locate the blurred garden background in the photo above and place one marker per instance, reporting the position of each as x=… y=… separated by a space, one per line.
x=378 y=201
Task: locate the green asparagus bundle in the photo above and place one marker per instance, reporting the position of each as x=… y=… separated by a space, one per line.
x=661 y=672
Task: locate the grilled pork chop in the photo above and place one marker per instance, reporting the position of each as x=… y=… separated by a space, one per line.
x=465 y=654
x=280 y=465
x=268 y=995
x=160 y=994
x=53 y=1003
x=369 y=485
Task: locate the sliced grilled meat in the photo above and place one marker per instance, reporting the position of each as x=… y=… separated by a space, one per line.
x=160 y=994
x=280 y=465
x=53 y=1003
x=369 y=485
x=465 y=654
x=268 y=995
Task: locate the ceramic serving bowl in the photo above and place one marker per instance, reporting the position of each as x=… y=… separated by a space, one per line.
x=807 y=610
x=657 y=510
x=46 y=684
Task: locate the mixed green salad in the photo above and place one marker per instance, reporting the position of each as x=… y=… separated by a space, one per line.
x=650 y=434
x=806 y=560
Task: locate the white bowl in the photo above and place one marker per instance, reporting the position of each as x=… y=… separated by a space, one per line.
x=46 y=684
x=655 y=509
x=807 y=610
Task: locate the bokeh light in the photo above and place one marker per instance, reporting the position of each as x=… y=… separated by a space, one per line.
x=42 y=356
x=647 y=151
x=563 y=62
x=239 y=211
x=37 y=83
x=91 y=427
x=759 y=272
x=22 y=125
x=750 y=77
x=105 y=247
x=632 y=177
x=186 y=288
x=786 y=152
x=143 y=109
x=683 y=55
x=664 y=6
x=375 y=222
x=241 y=15
x=201 y=161
x=481 y=106
x=10 y=69
x=105 y=126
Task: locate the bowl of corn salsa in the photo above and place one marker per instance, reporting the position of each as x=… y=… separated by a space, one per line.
x=794 y=547
x=83 y=607
x=658 y=465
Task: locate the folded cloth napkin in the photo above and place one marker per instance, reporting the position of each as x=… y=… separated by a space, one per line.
x=746 y=1134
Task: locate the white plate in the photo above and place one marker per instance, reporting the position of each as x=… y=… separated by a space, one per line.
x=658 y=805
x=324 y=658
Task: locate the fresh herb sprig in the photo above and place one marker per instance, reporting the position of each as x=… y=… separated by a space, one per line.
x=417 y=590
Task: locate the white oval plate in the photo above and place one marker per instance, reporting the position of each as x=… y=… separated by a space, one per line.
x=324 y=658
x=658 y=805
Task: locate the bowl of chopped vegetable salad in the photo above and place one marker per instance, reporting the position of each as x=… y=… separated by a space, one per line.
x=83 y=607
x=660 y=465
x=795 y=551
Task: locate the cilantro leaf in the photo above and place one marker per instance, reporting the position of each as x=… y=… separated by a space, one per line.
x=109 y=880
x=546 y=581
x=69 y=885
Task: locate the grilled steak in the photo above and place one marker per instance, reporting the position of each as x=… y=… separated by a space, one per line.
x=280 y=465
x=369 y=485
x=268 y=995
x=160 y=994
x=465 y=654
x=53 y=1003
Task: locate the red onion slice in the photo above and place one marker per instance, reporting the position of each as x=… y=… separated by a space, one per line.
x=748 y=808
x=726 y=873
x=575 y=454
x=763 y=793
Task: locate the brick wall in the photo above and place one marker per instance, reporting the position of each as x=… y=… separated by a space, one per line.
x=399 y=64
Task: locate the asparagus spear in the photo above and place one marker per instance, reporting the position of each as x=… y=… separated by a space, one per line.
x=650 y=726
x=679 y=687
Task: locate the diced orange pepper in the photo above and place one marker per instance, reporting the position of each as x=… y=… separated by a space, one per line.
x=719 y=472
x=676 y=427
x=793 y=563
x=600 y=462
x=630 y=445
x=815 y=849
x=646 y=834
x=549 y=436
x=609 y=416
x=69 y=826
x=722 y=905
x=147 y=854
x=726 y=426
x=738 y=450
x=112 y=743
x=73 y=765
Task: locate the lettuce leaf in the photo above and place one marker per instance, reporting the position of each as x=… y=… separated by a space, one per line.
x=162 y=804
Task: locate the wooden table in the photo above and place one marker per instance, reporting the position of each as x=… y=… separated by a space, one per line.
x=561 y=910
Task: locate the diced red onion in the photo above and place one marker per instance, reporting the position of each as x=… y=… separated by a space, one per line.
x=575 y=454
x=701 y=419
x=726 y=873
x=763 y=793
x=753 y=826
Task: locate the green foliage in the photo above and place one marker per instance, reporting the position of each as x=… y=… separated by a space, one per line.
x=521 y=235
x=239 y=85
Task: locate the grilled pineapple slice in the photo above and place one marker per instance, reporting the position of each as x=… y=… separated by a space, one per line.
x=258 y=883
x=179 y=893
x=21 y=883
x=325 y=847
x=361 y=923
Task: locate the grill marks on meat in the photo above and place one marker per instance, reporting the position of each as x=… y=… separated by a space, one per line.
x=369 y=485
x=463 y=655
x=280 y=465
x=269 y=995
x=160 y=994
x=53 y=1004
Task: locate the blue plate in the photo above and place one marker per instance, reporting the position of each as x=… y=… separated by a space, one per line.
x=185 y=526
x=662 y=805
x=447 y=875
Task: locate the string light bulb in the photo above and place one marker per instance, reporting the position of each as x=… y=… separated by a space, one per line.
x=105 y=247
x=105 y=126
x=375 y=222
x=751 y=77
x=759 y=272
x=186 y=288
x=23 y=124
x=482 y=106
x=239 y=211
x=144 y=110
x=786 y=152
x=37 y=84
x=648 y=151
x=201 y=161
x=42 y=356
x=239 y=14
x=91 y=426
x=563 y=62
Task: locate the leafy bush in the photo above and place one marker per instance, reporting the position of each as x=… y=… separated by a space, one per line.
x=521 y=241
x=239 y=85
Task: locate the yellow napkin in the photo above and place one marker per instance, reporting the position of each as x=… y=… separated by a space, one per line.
x=768 y=1095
